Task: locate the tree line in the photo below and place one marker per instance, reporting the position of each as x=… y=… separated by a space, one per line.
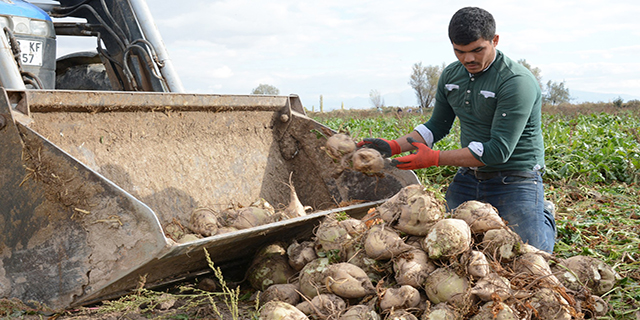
x=424 y=81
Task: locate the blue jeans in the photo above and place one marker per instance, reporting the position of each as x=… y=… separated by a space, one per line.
x=517 y=195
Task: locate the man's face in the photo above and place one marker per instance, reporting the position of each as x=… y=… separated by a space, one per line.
x=478 y=55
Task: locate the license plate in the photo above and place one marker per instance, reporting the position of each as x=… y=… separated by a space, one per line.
x=31 y=52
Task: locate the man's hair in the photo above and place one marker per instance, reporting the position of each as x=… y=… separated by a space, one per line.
x=470 y=24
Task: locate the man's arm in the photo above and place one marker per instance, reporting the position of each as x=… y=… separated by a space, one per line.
x=405 y=145
x=459 y=157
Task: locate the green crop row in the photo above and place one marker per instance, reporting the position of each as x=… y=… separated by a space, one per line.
x=592 y=148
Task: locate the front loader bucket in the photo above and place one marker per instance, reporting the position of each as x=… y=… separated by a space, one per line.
x=90 y=180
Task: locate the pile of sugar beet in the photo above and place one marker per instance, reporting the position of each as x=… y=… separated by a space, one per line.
x=411 y=259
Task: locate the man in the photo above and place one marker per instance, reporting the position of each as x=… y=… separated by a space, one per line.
x=498 y=103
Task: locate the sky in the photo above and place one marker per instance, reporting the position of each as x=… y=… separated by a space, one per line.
x=343 y=49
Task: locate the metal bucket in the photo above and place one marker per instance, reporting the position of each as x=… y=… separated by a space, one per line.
x=89 y=181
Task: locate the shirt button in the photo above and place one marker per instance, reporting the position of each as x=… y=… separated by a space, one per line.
x=466 y=102
x=468 y=91
x=473 y=79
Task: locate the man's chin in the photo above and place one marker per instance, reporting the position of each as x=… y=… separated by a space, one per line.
x=473 y=68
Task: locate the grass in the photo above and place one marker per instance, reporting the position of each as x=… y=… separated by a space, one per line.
x=602 y=221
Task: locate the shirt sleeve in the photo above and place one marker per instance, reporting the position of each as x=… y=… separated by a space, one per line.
x=443 y=115
x=426 y=134
x=515 y=102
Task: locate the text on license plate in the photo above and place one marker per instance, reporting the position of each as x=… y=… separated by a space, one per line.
x=31 y=52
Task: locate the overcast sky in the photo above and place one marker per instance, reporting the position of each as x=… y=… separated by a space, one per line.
x=343 y=49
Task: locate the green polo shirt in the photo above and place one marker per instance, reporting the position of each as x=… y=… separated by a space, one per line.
x=498 y=108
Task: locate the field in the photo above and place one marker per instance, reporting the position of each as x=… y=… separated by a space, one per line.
x=592 y=176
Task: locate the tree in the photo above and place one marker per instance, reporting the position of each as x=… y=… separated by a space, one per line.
x=265 y=89
x=556 y=93
x=376 y=99
x=617 y=102
x=537 y=73
x=424 y=80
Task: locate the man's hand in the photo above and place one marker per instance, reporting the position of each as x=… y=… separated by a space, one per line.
x=387 y=148
x=425 y=157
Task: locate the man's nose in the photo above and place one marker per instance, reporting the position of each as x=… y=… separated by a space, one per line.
x=468 y=57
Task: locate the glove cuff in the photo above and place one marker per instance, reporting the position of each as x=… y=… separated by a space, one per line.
x=395 y=147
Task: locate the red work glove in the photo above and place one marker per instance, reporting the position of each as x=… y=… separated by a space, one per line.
x=425 y=157
x=387 y=148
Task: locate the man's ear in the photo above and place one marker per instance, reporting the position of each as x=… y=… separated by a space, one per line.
x=495 y=40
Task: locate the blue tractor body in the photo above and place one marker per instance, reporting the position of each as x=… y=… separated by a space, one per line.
x=32 y=29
